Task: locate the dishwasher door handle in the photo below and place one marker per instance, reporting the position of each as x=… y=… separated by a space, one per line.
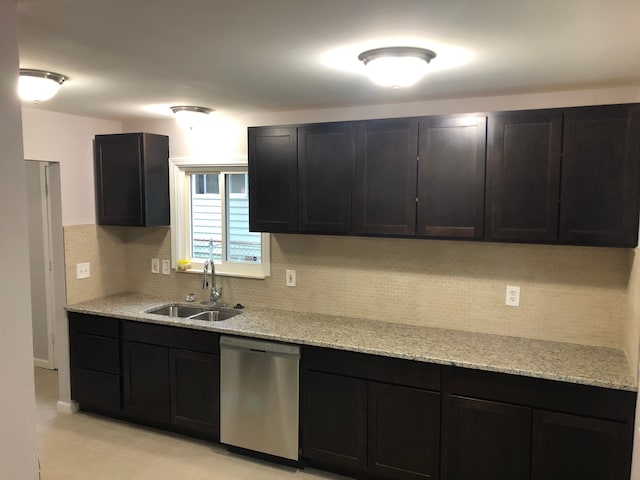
x=260 y=346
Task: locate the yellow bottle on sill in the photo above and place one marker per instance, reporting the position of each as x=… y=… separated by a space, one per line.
x=184 y=265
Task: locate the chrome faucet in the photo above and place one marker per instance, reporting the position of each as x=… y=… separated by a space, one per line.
x=215 y=294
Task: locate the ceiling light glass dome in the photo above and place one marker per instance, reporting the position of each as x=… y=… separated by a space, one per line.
x=396 y=66
x=38 y=85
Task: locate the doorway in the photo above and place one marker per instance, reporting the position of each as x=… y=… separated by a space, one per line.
x=45 y=251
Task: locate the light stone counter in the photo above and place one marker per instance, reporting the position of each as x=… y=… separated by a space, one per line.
x=597 y=366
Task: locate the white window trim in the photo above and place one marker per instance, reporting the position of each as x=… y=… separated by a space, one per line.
x=179 y=195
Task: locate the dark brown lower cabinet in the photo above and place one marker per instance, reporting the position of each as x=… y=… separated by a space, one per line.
x=404 y=432
x=95 y=362
x=195 y=390
x=96 y=390
x=486 y=440
x=499 y=426
x=168 y=377
x=172 y=377
x=568 y=447
x=370 y=416
x=146 y=381
x=335 y=420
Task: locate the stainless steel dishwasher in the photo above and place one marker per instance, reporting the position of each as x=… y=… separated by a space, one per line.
x=259 y=383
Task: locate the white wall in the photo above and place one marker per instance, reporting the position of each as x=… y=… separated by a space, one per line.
x=18 y=452
x=226 y=135
x=67 y=139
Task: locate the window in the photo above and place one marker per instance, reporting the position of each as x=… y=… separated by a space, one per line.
x=211 y=220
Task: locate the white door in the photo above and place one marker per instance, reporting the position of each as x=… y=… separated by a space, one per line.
x=41 y=263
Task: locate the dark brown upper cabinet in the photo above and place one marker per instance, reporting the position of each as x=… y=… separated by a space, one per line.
x=273 y=172
x=384 y=198
x=523 y=176
x=600 y=181
x=451 y=177
x=325 y=170
x=132 y=179
x=562 y=176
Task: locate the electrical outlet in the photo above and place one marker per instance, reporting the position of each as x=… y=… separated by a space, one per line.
x=513 y=296
x=166 y=267
x=83 y=270
x=291 y=278
x=155 y=265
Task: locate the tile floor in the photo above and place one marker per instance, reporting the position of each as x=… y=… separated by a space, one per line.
x=85 y=446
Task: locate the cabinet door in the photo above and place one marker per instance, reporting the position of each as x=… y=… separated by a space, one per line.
x=146 y=381
x=486 y=440
x=195 y=391
x=334 y=421
x=119 y=179
x=451 y=177
x=600 y=176
x=325 y=168
x=567 y=447
x=404 y=432
x=523 y=176
x=384 y=199
x=132 y=179
x=273 y=176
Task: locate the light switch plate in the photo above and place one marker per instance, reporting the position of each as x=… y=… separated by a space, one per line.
x=291 y=278
x=166 y=267
x=155 y=265
x=83 y=270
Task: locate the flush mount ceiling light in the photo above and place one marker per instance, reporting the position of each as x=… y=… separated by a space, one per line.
x=38 y=85
x=189 y=116
x=396 y=66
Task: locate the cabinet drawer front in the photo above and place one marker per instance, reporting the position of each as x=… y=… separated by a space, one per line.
x=95 y=353
x=176 y=337
x=96 y=389
x=584 y=400
x=94 y=324
x=372 y=367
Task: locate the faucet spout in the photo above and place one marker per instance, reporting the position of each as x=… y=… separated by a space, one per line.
x=214 y=294
x=205 y=270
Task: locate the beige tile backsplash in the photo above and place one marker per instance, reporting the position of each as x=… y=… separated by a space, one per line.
x=632 y=320
x=572 y=294
x=105 y=250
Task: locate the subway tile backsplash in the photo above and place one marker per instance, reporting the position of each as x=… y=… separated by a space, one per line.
x=570 y=294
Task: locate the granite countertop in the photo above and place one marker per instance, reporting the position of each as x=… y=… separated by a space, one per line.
x=597 y=366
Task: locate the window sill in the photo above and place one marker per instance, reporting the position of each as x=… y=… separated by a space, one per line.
x=224 y=274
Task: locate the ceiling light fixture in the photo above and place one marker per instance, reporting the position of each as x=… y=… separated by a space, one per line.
x=189 y=116
x=396 y=66
x=38 y=85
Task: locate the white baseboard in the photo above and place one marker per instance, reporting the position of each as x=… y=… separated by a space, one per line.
x=67 y=407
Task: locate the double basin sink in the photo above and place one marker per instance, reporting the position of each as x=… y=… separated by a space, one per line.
x=194 y=312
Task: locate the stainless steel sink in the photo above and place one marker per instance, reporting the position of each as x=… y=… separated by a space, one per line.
x=193 y=312
x=214 y=315
x=182 y=311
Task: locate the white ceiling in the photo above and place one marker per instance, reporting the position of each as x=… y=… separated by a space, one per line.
x=129 y=58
